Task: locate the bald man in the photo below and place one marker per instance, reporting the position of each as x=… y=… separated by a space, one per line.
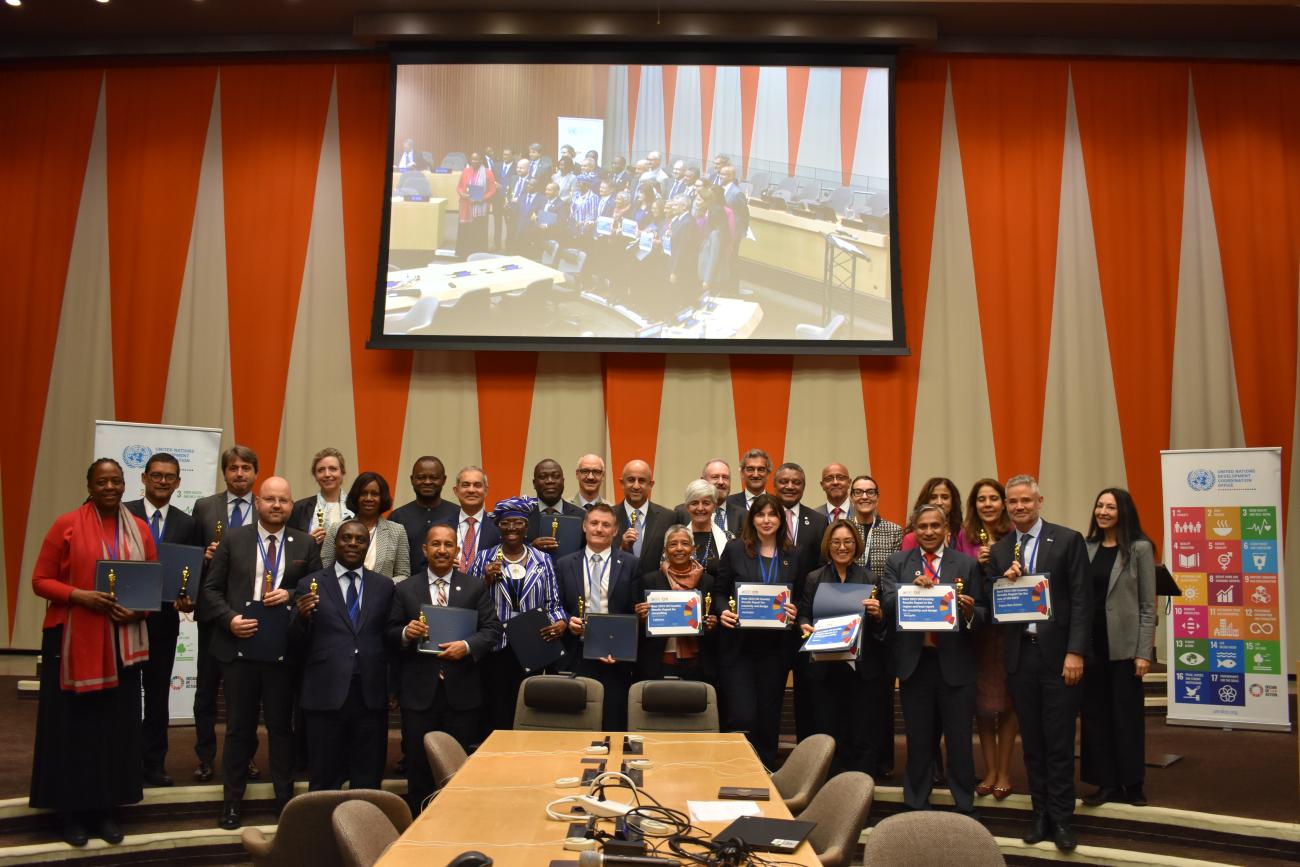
x=257 y=563
x=641 y=523
x=835 y=484
x=591 y=481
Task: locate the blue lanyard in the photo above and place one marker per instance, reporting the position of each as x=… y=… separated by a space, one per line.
x=600 y=576
x=934 y=573
x=117 y=540
x=271 y=565
x=770 y=575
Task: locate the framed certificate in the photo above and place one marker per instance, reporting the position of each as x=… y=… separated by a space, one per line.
x=927 y=609
x=762 y=606
x=545 y=218
x=604 y=226
x=1028 y=599
x=674 y=612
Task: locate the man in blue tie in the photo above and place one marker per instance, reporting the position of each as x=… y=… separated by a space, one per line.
x=618 y=174
x=161 y=477
x=340 y=627
x=214 y=515
x=522 y=234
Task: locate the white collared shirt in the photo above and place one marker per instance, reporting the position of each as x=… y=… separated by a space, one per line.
x=462 y=525
x=245 y=507
x=150 y=508
x=845 y=509
x=600 y=604
x=433 y=584
x=583 y=502
x=340 y=571
x=260 y=568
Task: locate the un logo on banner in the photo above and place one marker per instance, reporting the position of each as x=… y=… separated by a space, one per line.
x=1200 y=480
x=136 y=456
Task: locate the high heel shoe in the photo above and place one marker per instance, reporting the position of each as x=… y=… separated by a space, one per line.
x=983 y=790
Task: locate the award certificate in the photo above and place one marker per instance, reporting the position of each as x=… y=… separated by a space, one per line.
x=1028 y=599
x=674 y=612
x=604 y=226
x=834 y=634
x=762 y=606
x=927 y=609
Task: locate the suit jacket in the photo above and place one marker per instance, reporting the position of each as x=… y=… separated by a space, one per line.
x=650 y=651
x=1130 y=602
x=624 y=590
x=739 y=204
x=392 y=553
x=525 y=210
x=1063 y=555
x=738 y=501
x=488 y=534
x=808 y=541
x=422 y=674
x=657 y=521
x=208 y=511
x=957 y=660
x=535 y=522
x=737 y=567
x=304 y=512
x=229 y=582
x=417 y=520
x=178 y=529
x=825 y=511
x=873 y=653
x=333 y=649
x=735 y=518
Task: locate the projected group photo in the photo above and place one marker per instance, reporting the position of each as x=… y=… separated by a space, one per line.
x=577 y=201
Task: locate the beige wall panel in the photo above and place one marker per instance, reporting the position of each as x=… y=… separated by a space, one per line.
x=1082 y=449
x=826 y=420
x=697 y=423
x=441 y=418
x=318 y=408
x=953 y=435
x=198 y=379
x=81 y=380
x=568 y=415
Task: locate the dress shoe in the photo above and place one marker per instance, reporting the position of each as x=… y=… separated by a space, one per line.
x=253 y=772
x=1135 y=796
x=1039 y=831
x=74 y=830
x=109 y=831
x=1103 y=795
x=1064 y=837
x=203 y=773
x=157 y=779
x=229 y=816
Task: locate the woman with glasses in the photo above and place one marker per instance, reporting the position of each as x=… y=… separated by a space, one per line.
x=842 y=692
x=880 y=537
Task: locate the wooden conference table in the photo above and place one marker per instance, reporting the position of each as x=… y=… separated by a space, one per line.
x=496 y=803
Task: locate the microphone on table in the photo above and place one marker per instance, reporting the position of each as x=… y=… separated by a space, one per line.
x=596 y=859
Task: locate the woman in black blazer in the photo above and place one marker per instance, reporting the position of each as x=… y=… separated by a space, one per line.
x=327 y=508
x=689 y=658
x=842 y=693
x=753 y=663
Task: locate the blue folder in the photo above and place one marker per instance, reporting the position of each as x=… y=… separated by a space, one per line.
x=523 y=636
x=447 y=624
x=175 y=559
x=270 y=643
x=137 y=584
x=611 y=635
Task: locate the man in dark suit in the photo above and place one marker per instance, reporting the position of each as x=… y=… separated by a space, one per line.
x=475 y=529
x=161 y=476
x=224 y=510
x=755 y=468
x=260 y=562
x=835 y=484
x=523 y=231
x=739 y=203
x=339 y=624
x=539 y=165
x=641 y=523
x=427 y=509
x=936 y=670
x=619 y=177
x=439 y=691
x=608 y=581
x=1045 y=659
x=548 y=482
x=558 y=211
x=727 y=515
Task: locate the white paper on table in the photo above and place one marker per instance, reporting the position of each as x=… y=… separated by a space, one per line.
x=721 y=811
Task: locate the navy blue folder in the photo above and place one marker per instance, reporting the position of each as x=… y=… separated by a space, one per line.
x=270 y=642
x=611 y=635
x=524 y=637
x=175 y=559
x=137 y=584
x=447 y=624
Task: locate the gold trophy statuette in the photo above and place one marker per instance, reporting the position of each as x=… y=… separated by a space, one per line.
x=423 y=619
x=960 y=585
x=312 y=586
x=555 y=526
x=984 y=536
x=731 y=604
x=708 y=603
x=582 y=612
x=1015 y=555
x=220 y=527
x=320 y=516
x=268 y=584
x=112 y=582
x=185 y=580
x=875 y=591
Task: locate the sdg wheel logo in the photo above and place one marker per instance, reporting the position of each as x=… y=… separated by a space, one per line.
x=1200 y=480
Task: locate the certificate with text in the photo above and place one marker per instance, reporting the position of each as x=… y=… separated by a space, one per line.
x=927 y=609
x=1028 y=599
x=762 y=606
x=673 y=612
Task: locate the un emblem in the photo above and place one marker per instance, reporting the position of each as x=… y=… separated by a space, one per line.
x=1200 y=480
x=136 y=456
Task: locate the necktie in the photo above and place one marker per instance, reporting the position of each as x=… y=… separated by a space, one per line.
x=836 y=512
x=790 y=524
x=720 y=518
x=467 y=547
x=237 y=514
x=268 y=581
x=1025 y=539
x=929 y=559
x=589 y=507
x=353 y=598
x=441 y=584
x=155 y=525
x=636 y=525
x=593 y=583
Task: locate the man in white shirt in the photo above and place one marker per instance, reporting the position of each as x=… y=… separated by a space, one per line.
x=474 y=530
x=835 y=483
x=653 y=171
x=408 y=155
x=755 y=467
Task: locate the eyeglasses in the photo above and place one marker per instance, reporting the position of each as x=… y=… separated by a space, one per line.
x=838 y=478
x=164 y=477
x=842 y=543
x=583 y=472
x=858 y=492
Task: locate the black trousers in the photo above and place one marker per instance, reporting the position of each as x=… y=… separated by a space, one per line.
x=617 y=681
x=439 y=716
x=349 y=744
x=880 y=711
x=841 y=701
x=250 y=686
x=1047 y=709
x=1114 y=729
x=754 y=685
x=932 y=707
x=205 y=697
x=156 y=683
x=501 y=675
x=805 y=713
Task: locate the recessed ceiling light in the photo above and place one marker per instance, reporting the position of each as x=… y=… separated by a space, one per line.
x=102 y=1
x=14 y=2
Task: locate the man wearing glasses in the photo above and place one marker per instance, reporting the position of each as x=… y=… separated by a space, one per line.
x=161 y=477
x=591 y=478
x=835 y=484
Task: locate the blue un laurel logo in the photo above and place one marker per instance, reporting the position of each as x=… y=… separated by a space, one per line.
x=1200 y=480
x=136 y=456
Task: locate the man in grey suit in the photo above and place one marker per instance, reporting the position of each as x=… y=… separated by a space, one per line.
x=224 y=510
x=936 y=670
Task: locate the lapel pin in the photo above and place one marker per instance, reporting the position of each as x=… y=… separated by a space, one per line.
x=288 y=538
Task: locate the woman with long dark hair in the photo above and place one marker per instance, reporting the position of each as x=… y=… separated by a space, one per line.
x=1123 y=574
x=941 y=492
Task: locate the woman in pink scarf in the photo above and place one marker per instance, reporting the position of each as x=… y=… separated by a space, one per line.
x=87 y=755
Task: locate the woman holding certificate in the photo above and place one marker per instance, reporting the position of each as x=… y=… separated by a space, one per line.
x=842 y=692
x=389 y=552
x=317 y=514
x=1123 y=573
x=688 y=657
x=755 y=578
x=88 y=743
x=986 y=522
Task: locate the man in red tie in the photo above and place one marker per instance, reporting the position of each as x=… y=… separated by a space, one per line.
x=936 y=670
x=835 y=482
x=474 y=528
